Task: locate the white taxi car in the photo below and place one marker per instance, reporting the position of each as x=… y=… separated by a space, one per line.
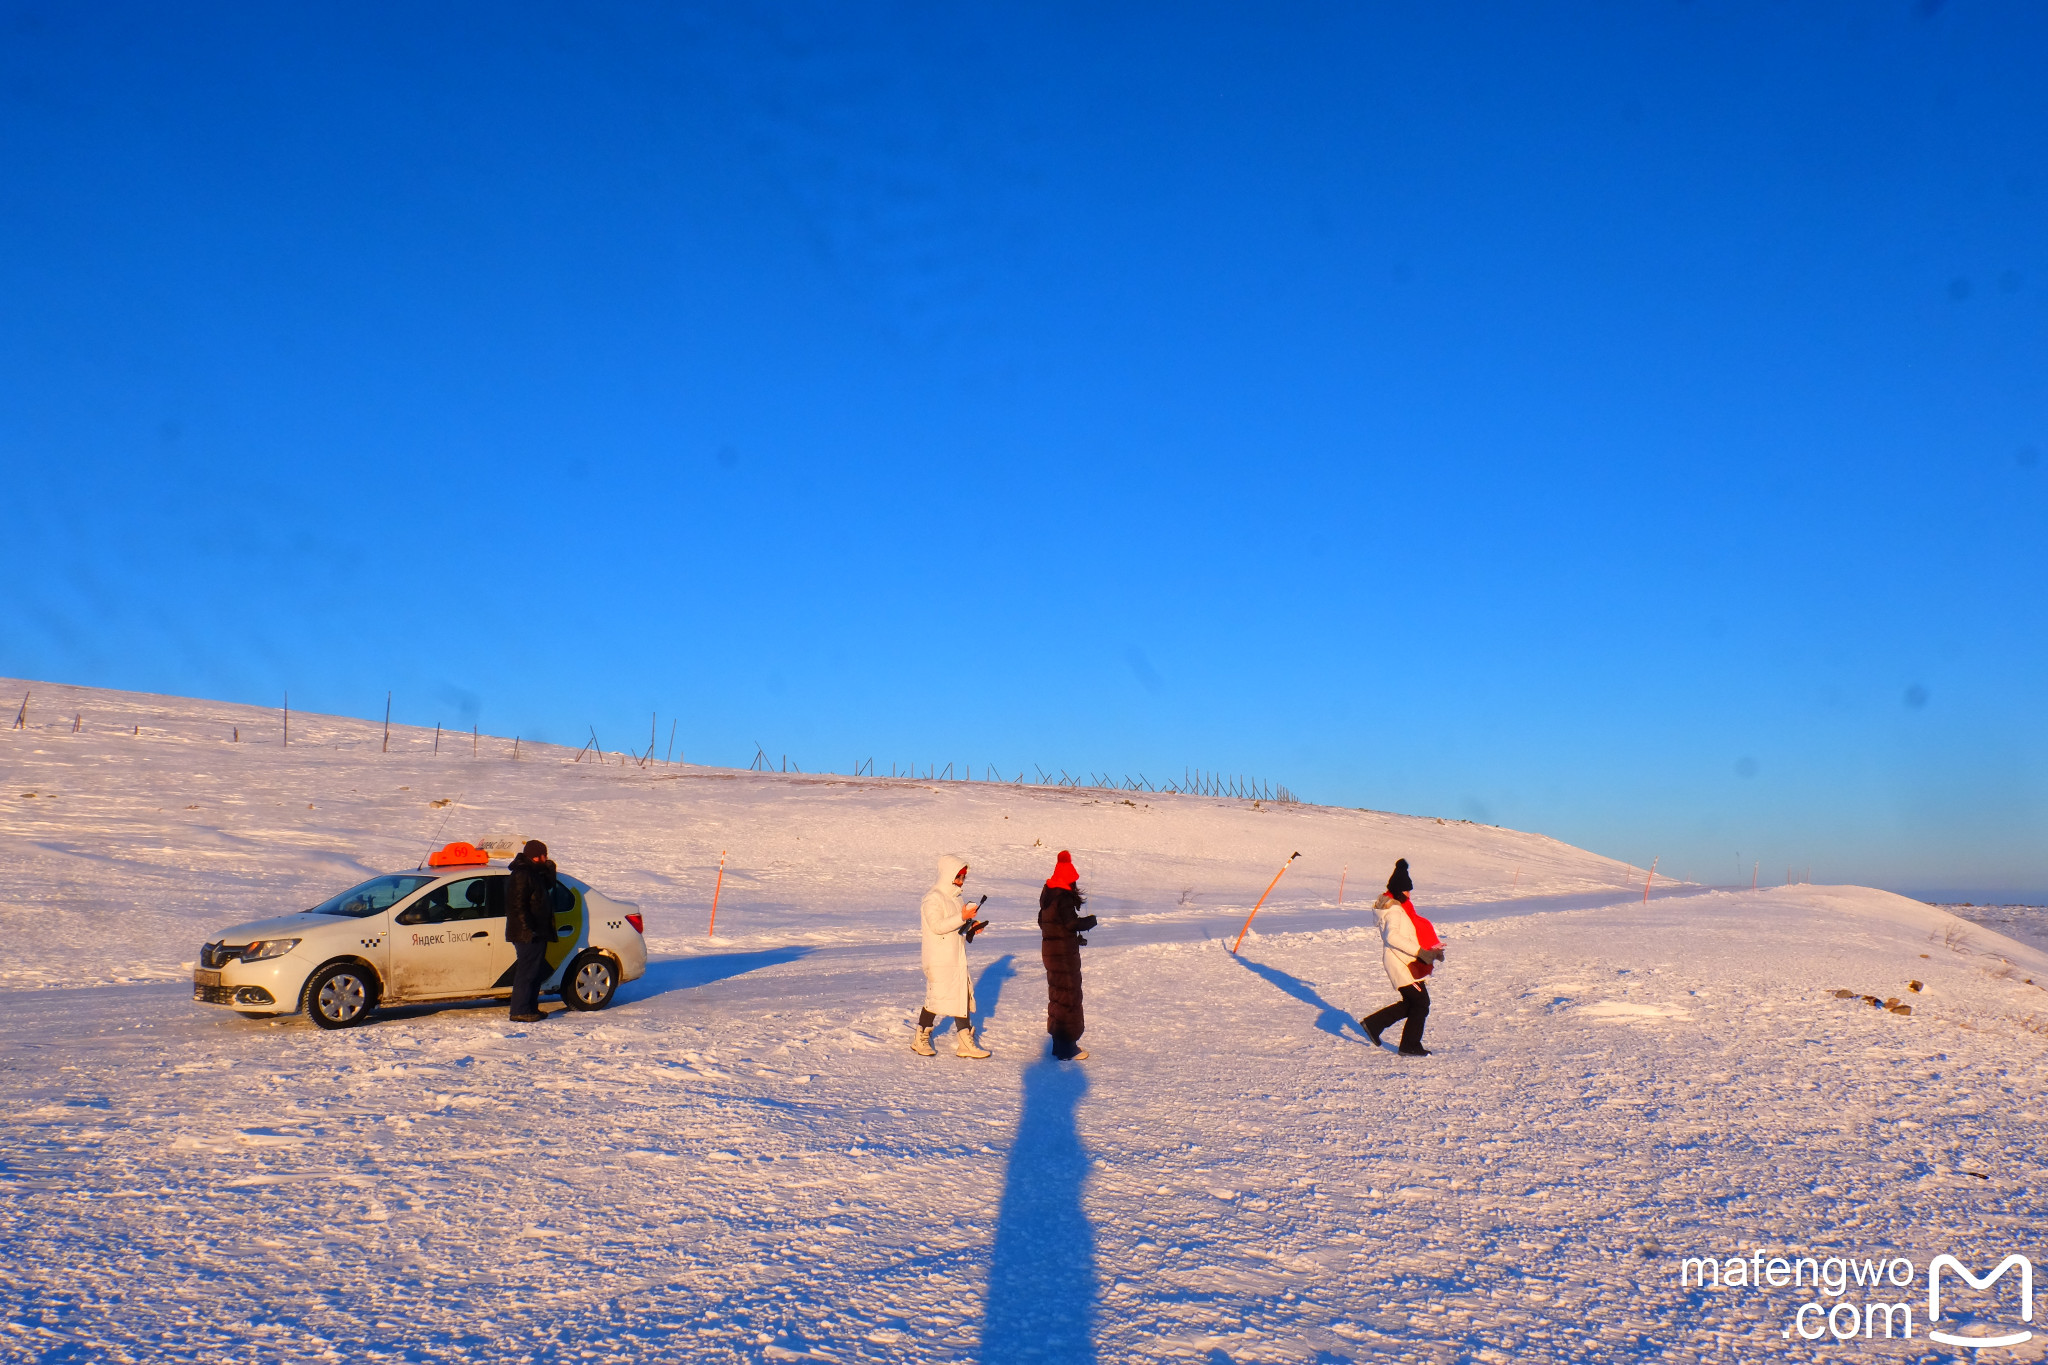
x=431 y=934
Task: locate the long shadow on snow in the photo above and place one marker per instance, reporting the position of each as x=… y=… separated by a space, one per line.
x=1041 y=1280
x=1329 y=1018
x=988 y=987
x=685 y=973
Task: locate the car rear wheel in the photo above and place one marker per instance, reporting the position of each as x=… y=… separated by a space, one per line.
x=341 y=995
x=589 y=982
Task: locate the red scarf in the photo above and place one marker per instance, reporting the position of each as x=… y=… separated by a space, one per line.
x=1425 y=932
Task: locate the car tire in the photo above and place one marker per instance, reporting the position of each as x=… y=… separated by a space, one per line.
x=589 y=982
x=341 y=995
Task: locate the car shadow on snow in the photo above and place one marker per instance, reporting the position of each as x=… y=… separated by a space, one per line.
x=661 y=977
x=1329 y=1018
x=1041 y=1278
x=702 y=969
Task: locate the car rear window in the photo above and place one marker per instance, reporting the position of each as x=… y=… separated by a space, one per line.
x=378 y=893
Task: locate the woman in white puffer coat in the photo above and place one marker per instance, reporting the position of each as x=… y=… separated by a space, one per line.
x=947 y=990
x=1410 y=950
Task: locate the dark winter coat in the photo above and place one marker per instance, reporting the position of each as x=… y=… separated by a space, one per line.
x=529 y=901
x=1059 y=919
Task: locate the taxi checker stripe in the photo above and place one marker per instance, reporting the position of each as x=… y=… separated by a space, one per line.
x=2026 y=1269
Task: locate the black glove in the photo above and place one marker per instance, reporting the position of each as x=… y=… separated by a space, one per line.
x=1084 y=924
x=1082 y=942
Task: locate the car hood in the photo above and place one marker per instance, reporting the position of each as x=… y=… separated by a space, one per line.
x=284 y=926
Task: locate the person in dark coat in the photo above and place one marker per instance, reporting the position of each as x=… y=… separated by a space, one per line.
x=1061 y=922
x=530 y=927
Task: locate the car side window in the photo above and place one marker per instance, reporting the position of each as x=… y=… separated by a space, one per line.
x=478 y=898
x=471 y=898
x=561 y=899
x=431 y=908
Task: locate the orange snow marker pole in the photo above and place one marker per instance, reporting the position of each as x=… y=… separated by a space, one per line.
x=1340 y=885
x=1648 y=879
x=1752 y=873
x=1262 y=898
x=714 y=895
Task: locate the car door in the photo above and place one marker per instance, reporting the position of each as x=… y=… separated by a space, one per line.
x=572 y=922
x=451 y=941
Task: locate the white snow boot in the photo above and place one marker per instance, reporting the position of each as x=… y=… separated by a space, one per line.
x=922 y=1044
x=964 y=1044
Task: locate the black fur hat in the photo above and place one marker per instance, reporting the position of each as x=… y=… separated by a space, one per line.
x=1400 y=884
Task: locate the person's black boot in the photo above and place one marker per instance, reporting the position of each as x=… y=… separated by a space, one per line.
x=1379 y=1021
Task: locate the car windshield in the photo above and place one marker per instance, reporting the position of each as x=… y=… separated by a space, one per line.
x=378 y=893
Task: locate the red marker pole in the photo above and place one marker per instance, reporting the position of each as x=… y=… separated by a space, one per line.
x=1262 y=899
x=1647 y=880
x=1340 y=885
x=714 y=895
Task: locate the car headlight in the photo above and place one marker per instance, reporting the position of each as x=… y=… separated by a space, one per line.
x=268 y=947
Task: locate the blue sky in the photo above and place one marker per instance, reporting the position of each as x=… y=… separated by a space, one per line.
x=1624 y=422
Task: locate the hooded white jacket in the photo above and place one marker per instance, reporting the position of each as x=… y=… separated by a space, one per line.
x=1401 y=944
x=947 y=991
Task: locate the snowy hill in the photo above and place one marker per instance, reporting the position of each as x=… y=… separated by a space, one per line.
x=170 y=818
x=742 y=1160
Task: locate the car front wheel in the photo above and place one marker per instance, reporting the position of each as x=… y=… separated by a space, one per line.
x=341 y=995
x=589 y=982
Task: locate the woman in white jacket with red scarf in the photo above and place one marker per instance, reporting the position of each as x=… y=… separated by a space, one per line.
x=1410 y=950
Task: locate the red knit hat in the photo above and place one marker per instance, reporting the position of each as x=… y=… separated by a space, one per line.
x=1064 y=873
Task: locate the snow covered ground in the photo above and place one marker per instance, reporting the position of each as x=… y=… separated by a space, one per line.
x=741 y=1159
x=2025 y=923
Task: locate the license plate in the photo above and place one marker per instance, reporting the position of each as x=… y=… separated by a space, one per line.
x=205 y=978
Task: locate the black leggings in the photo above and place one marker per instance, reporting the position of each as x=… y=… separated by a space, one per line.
x=1412 y=1006
x=925 y=1019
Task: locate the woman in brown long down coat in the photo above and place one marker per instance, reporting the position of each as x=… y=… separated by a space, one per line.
x=1061 y=921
